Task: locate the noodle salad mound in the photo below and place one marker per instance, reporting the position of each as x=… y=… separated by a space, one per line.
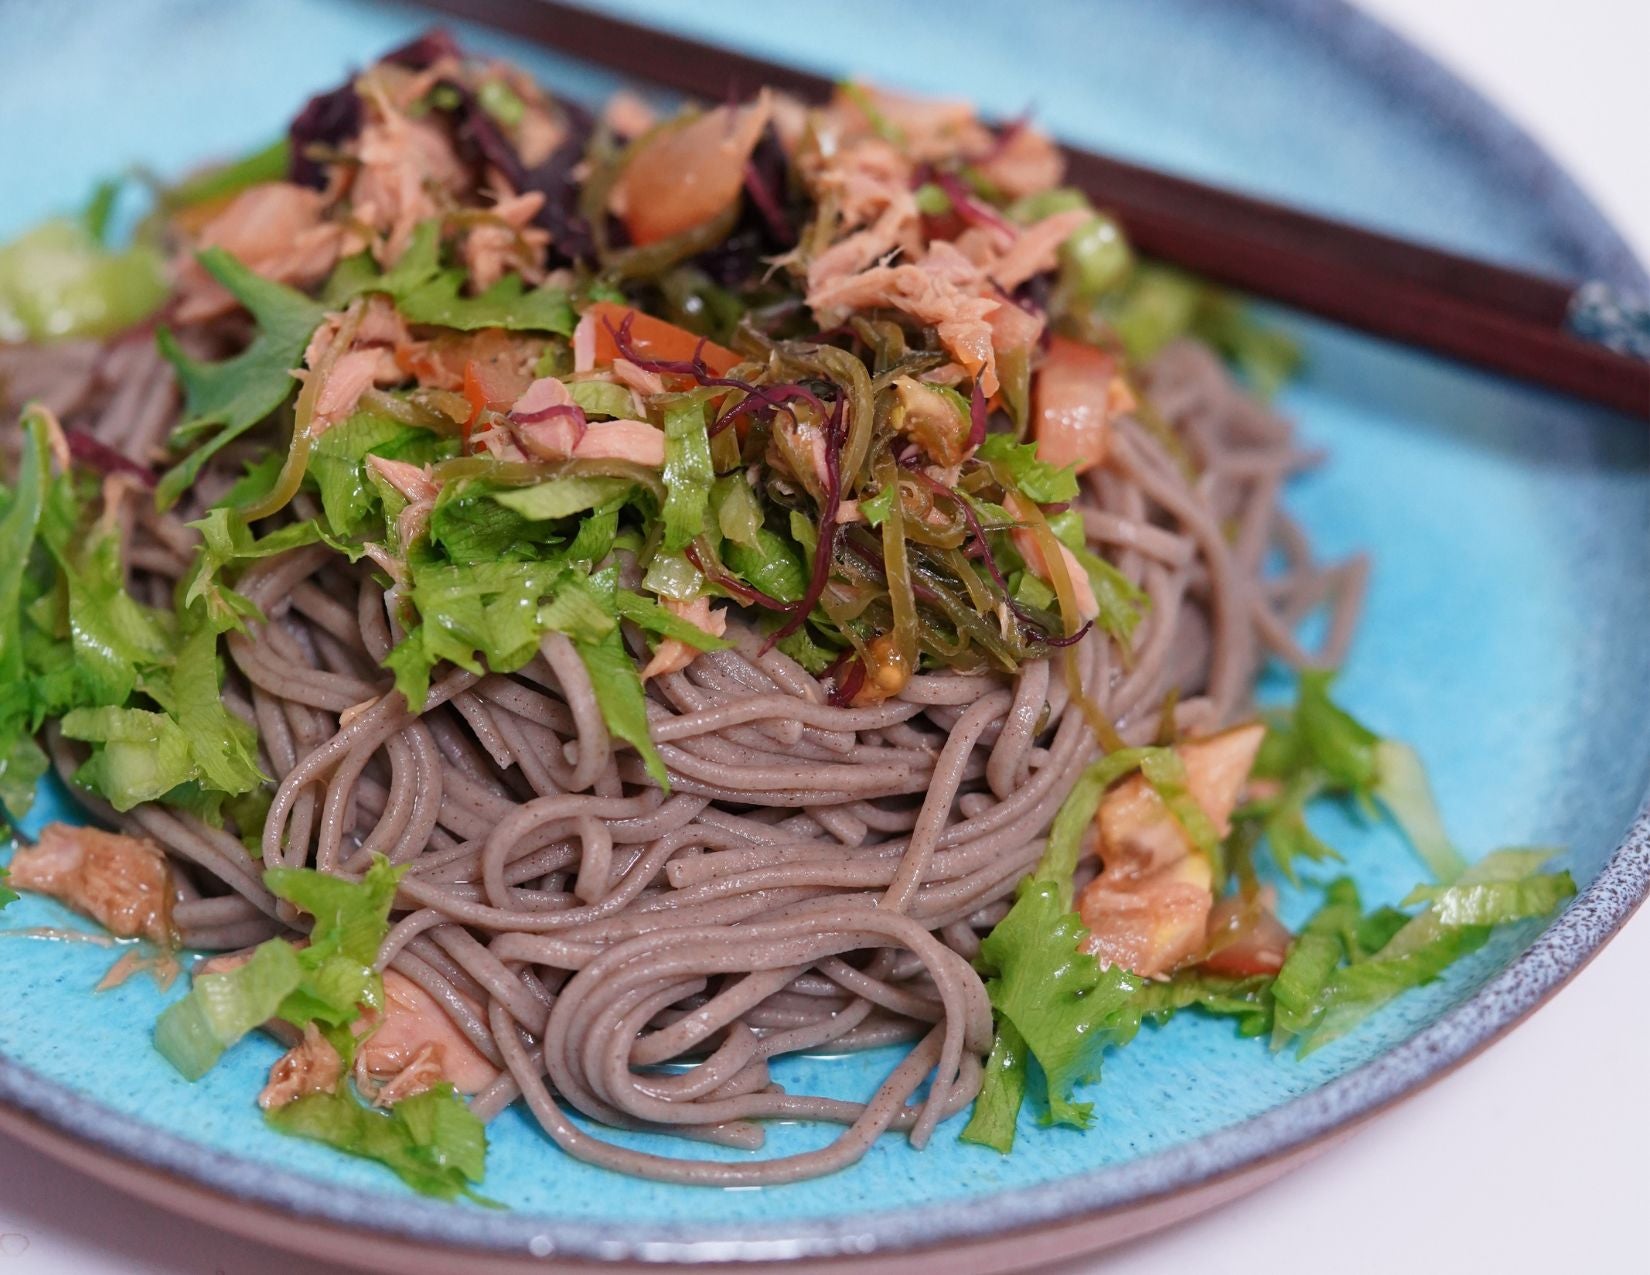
x=573 y=609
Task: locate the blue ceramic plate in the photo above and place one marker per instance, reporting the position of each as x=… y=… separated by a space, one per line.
x=1511 y=535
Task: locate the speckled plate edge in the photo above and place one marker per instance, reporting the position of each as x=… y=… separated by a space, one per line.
x=1082 y=1212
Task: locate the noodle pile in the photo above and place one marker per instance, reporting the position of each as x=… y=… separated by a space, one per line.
x=818 y=878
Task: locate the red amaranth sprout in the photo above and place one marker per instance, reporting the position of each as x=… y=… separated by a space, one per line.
x=98 y=455
x=766 y=202
x=748 y=594
x=972 y=210
x=846 y=676
x=764 y=397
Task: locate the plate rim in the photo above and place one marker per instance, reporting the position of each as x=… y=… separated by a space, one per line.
x=1556 y=955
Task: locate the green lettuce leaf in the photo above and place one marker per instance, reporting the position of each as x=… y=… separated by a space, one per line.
x=267 y=164
x=325 y=982
x=1037 y=480
x=59 y=281
x=1502 y=887
x=650 y=616
x=193 y=1033
x=138 y=755
x=1064 y=1006
x=603 y=399
x=737 y=510
x=1403 y=789
x=996 y=1113
x=425 y=292
x=614 y=677
x=431 y=1141
x=351 y=919
x=1314 y=956
x=562 y=497
x=225 y=400
x=687 y=471
x=773 y=566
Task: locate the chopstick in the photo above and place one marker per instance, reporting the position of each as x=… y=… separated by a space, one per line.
x=1505 y=320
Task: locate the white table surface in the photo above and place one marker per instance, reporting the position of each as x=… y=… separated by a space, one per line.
x=1530 y=1158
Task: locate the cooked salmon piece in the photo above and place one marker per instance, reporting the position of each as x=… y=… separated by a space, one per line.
x=121 y=882
x=635 y=441
x=674 y=655
x=1149 y=909
x=411 y=1023
x=1139 y=835
x=506 y=242
x=310 y=1066
x=1152 y=925
x=275 y=229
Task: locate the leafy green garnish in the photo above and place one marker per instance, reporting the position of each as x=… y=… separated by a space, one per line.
x=426 y=292
x=649 y=615
x=602 y=398
x=562 y=497
x=687 y=472
x=326 y=982
x=226 y=399
x=267 y=164
x=1036 y=479
x=1160 y=304
x=1319 y=1001
x=59 y=281
x=193 y=1033
x=1058 y=998
x=431 y=1141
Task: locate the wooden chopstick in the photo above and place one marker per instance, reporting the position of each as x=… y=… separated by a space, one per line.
x=1504 y=320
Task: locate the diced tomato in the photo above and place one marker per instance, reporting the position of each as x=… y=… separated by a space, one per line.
x=687 y=176
x=1073 y=401
x=1247 y=938
x=652 y=338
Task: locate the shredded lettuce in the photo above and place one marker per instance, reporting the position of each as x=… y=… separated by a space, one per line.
x=1058 y=998
x=737 y=512
x=1314 y=956
x=773 y=565
x=687 y=473
x=224 y=400
x=326 y=982
x=650 y=616
x=350 y=921
x=1503 y=887
x=561 y=497
x=875 y=508
x=1160 y=304
x=616 y=682
x=1404 y=791
x=1058 y=865
x=602 y=398
x=426 y=292
x=193 y=1033
x=431 y=1141
x=996 y=1112
x=267 y=164
x=138 y=756
x=59 y=281
x=1037 y=479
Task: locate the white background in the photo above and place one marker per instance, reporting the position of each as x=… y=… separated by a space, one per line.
x=1531 y=1158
